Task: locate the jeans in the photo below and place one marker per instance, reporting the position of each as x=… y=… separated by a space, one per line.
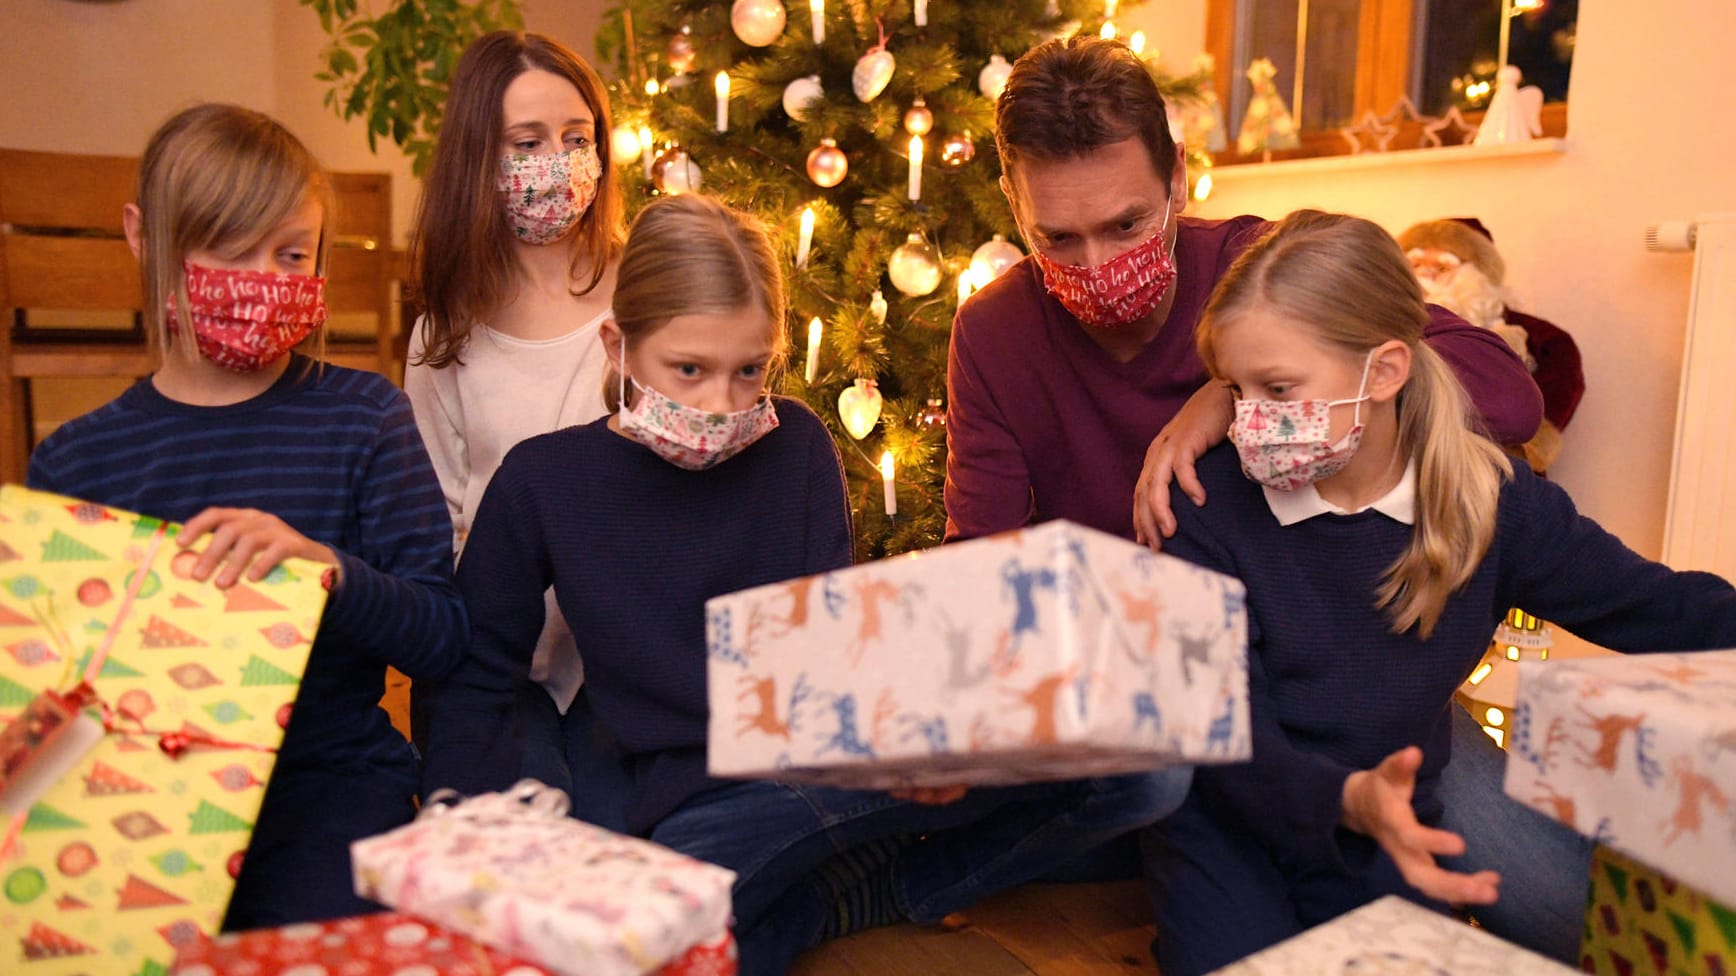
x=774 y=836
x=575 y=754
x=1545 y=867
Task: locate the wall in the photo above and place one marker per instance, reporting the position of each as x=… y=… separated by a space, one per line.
x=1641 y=149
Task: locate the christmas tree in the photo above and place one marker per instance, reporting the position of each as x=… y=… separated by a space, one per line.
x=862 y=133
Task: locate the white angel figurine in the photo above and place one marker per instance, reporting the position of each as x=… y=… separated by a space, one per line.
x=1515 y=114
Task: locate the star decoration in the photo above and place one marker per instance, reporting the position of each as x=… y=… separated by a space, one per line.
x=1450 y=122
x=1371 y=127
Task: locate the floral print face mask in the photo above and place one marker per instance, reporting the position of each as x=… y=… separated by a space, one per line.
x=688 y=437
x=1286 y=444
x=546 y=194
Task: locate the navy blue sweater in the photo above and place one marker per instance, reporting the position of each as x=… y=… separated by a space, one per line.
x=1333 y=690
x=633 y=546
x=334 y=453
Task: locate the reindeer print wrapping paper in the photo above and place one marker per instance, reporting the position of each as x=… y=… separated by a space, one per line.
x=1393 y=937
x=1054 y=652
x=1637 y=752
x=513 y=871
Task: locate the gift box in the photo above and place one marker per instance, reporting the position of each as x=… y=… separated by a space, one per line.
x=1053 y=652
x=391 y=944
x=513 y=871
x=1639 y=753
x=1390 y=937
x=142 y=710
x=1642 y=921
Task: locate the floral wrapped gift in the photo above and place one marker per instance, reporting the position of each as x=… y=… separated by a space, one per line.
x=1053 y=652
x=513 y=871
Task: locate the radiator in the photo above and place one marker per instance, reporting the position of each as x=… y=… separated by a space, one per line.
x=1700 y=527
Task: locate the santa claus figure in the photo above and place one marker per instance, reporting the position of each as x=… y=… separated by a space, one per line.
x=1456 y=262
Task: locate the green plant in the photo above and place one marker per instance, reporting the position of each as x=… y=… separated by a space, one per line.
x=393 y=69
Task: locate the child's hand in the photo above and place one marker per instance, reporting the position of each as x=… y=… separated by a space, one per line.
x=934 y=796
x=1202 y=422
x=1377 y=803
x=246 y=540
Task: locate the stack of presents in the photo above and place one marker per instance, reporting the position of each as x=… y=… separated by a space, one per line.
x=141 y=710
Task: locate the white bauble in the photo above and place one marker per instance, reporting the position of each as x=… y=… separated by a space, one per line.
x=757 y=22
x=873 y=71
x=674 y=172
x=799 y=93
x=859 y=407
x=996 y=256
x=914 y=267
x=992 y=80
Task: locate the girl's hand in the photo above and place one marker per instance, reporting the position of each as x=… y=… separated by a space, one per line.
x=1377 y=803
x=934 y=796
x=246 y=540
x=1202 y=422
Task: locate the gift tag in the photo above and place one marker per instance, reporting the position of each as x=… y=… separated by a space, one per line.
x=42 y=744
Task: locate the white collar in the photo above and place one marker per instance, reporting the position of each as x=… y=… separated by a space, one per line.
x=1399 y=504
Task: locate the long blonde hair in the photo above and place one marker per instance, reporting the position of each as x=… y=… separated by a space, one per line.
x=691 y=255
x=217 y=178
x=1347 y=279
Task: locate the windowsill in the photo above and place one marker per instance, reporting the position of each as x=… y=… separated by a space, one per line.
x=1224 y=175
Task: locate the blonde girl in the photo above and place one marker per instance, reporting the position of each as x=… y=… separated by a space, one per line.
x=265 y=453
x=1381 y=539
x=701 y=484
x=514 y=255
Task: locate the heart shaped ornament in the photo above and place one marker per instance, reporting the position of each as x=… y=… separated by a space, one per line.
x=873 y=71
x=859 y=408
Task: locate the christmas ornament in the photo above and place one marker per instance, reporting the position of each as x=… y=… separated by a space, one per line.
x=674 y=172
x=992 y=80
x=757 y=22
x=681 y=53
x=919 y=120
x=933 y=416
x=957 y=150
x=827 y=164
x=1514 y=114
x=877 y=307
x=1267 y=124
x=993 y=258
x=799 y=95
x=914 y=267
x=873 y=71
x=624 y=146
x=859 y=408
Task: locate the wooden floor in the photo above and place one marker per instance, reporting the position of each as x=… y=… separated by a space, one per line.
x=1042 y=929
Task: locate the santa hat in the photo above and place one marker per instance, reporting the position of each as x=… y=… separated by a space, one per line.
x=1464 y=237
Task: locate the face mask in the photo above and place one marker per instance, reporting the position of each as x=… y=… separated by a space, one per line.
x=688 y=437
x=1285 y=444
x=1118 y=292
x=247 y=320
x=545 y=195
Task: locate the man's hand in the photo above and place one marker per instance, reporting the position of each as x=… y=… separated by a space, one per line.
x=246 y=540
x=1202 y=422
x=1377 y=803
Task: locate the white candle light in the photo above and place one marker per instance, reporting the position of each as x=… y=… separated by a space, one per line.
x=648 y=151
x=813 y=366
x=818 y=9
x=915 y=167
x=1137 y=42
x=922 y=13
x=723 y=101
x=964 y=287
x=1108 y=31
x=1109 y=8
x=886 y=483
x=806 y=240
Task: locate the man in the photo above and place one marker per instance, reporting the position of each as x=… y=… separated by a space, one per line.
x=1079 y=361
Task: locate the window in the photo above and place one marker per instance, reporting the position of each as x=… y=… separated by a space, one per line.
x=1362 y=56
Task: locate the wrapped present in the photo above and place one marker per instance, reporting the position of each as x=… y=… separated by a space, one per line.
x=1054 y=652
x=1638 y=752
x=391 y=944
x=513 y=871
x=141 y=711
x=1394 y=936
x=1641 y=921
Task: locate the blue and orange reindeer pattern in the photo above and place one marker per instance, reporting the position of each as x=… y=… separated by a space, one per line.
x=1052 y=652
x=1638 y=752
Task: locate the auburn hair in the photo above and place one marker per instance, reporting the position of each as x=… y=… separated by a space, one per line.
x=1347 y=281
x=462 y=260
x=218 y=178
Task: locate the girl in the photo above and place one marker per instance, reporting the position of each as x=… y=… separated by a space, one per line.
x=266 y=454
x=1377 y=535
x=514 y=255
x=699 y=485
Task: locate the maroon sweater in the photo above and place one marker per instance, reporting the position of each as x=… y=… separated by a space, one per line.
x=1043 y=424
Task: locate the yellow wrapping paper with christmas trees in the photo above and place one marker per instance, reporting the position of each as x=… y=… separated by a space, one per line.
x=134 y=849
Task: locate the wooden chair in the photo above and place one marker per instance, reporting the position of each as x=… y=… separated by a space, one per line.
x=70 y=299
